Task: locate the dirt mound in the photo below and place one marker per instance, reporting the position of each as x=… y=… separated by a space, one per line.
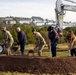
x=38 y=64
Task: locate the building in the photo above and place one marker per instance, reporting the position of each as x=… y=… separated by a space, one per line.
x=24 y=20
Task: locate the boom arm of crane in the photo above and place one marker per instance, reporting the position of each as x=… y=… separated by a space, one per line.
x=60 y=12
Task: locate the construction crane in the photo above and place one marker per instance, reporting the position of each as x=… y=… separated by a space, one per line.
x=60 y=12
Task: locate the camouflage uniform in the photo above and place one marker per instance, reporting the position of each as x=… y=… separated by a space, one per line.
x=8 y=42
x=40 y=43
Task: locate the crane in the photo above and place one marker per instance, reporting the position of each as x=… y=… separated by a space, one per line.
x=60 y=12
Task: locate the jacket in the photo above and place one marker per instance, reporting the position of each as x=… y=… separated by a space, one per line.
x=53 y=36
x=22 y=37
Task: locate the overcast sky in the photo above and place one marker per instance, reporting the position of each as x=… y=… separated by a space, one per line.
x=29 y=8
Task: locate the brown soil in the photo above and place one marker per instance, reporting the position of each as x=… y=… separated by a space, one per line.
x=37 y=65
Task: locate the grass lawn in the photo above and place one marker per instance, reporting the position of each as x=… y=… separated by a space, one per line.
x=62 y=50
x=17 y=73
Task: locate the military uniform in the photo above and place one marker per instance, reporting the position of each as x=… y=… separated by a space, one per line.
x=40 y=43
x=8 y=42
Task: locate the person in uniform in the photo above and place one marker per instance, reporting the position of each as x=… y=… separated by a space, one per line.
x=40 y=42
x=8 y=41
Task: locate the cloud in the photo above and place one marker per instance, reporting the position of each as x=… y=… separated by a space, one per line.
x=29 y=8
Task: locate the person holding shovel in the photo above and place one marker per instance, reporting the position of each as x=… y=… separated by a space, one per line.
x=8 y=41
x=40 y=42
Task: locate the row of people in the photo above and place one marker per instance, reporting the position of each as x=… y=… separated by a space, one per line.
x=52 y=41
x=22 y=41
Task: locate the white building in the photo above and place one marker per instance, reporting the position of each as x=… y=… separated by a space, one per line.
x=24 y=21
x=10 y=22
x=40 y=23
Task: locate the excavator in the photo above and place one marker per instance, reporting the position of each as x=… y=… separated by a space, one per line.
x=60 y=12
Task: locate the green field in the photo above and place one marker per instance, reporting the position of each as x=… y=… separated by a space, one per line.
x=17 y=73
x=62 y=50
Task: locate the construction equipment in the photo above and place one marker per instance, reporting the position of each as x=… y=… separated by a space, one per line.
x=60 y=12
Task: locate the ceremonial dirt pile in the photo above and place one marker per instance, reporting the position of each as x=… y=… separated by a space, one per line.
x=38 y=64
